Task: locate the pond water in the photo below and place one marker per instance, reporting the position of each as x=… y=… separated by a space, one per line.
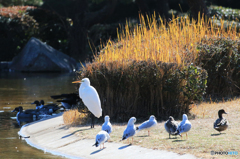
x=21 y=89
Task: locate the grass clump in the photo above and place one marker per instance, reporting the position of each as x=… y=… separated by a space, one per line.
x=73 y=117
x=146 y=87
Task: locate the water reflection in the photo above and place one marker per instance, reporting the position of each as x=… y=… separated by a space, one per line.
x=22 y=89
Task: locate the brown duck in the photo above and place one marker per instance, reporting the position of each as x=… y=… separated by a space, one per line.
x=221 y=123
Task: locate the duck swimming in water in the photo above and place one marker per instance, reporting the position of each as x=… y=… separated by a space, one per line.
x=221 y=123
x=50 y=108
x=67 y=100
x=171 y=126
x=29 y=113
x=37 y=103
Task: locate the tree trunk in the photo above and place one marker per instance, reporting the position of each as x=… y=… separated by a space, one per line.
x=197 y=6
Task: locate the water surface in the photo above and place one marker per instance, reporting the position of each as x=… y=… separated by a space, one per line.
x=21 y=89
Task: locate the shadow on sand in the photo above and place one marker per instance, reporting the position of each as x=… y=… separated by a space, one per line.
x=75 y=132
x=123 y=147
x=178 y=140
x=143 y=136
x=217 y=134
x=97 y=151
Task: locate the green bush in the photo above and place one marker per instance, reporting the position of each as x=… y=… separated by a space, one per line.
x=220 y=58
x=15 y=33
x=146 y=88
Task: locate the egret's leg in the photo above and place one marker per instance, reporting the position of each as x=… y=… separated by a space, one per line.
x=103 y=146
x=128 y=141
x=92 y=123
x=148 y=133
x=186 y=136
x=169 y=135
x=132 y=140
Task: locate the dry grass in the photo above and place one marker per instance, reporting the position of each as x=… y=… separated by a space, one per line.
x=202 y=138
x=153 y=41
x=73 y=117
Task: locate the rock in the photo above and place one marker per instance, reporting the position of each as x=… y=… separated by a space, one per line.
x=4 y=65
x=37 y=56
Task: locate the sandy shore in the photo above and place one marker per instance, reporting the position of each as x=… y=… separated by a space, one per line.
x=50 y=135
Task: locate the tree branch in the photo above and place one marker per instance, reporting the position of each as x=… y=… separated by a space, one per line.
x=101 y=15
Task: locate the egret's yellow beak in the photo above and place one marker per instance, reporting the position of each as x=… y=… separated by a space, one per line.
x=77 y=81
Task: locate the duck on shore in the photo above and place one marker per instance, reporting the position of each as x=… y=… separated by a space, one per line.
x=149 y=124
x=171 y=126
x=221 y=123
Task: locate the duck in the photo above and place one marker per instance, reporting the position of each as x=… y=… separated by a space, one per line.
x=130 y=130
x=29 y=113
x=221 y=123
x=101 y=138
x=50 y=108
x=37 y=103
x=107 y=126
x=67 y=100
x=184 y=126
x=171 y=126
x=149 y=124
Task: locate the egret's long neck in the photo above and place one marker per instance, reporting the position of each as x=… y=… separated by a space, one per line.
x=82 y=86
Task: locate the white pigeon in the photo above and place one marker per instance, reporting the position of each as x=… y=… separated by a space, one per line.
x=130 y=130
x=101 y=138
x=148 y=124
x=184 y=126
x=107 y=126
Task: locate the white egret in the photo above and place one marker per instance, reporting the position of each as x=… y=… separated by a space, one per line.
x=90 y=98
x=171 y=126
x=101 y=138
x=221 y=123
x=130 y=130
x=184 y=126
x=148 y=124
x=107 y=126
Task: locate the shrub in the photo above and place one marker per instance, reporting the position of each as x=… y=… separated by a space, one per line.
x=220 y=57
x=73 y=117
x=146 y=88
x=16 y=28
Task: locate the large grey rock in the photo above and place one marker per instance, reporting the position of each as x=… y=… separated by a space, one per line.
x=37 y=57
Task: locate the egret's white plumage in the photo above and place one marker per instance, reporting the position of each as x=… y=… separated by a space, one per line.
x=148 y=124
x=107 y=126
x=101 y=138
x=90 y=97
x=130 y=130
x=184 y=126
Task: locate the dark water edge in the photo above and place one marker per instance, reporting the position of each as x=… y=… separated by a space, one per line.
x=22 y=89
